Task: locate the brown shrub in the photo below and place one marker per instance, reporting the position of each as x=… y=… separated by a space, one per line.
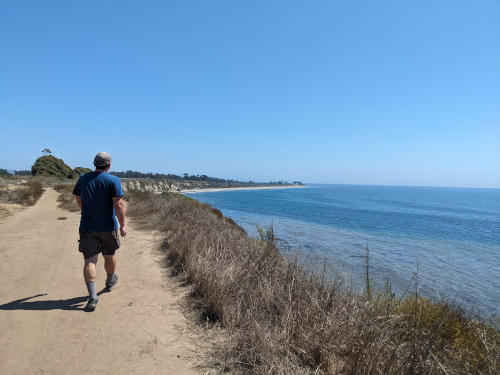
x=26 y=193
x=66 y=198
x=284 y=318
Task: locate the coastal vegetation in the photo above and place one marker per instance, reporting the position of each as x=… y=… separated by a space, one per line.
x=281 y=316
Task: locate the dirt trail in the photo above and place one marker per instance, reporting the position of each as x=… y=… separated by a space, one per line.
x=137 y=328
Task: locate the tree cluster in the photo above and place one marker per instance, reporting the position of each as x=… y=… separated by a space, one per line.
x=185 y=177
x=5 y=172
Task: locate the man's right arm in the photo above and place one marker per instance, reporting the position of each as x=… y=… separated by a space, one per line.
x=79 y=201
x=119 y=206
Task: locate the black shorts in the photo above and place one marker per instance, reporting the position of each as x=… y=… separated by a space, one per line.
x=92 y=243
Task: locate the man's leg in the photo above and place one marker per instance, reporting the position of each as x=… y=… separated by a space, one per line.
x=110 y=263
x=89 y=274
x=110 y=267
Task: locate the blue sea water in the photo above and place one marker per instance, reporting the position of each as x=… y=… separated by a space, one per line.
x=451 y=236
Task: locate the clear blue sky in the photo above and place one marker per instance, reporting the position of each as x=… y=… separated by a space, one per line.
x=370 y=92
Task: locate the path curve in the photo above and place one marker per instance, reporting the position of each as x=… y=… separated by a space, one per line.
x=136 y=329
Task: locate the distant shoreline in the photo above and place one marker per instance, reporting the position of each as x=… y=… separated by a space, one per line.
x=214 y=190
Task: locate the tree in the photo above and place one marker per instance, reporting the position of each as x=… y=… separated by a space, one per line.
x=46 y=151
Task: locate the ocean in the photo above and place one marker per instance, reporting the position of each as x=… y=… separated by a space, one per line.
x=448 y=237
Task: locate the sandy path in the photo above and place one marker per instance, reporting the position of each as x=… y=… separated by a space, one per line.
x=136 y=329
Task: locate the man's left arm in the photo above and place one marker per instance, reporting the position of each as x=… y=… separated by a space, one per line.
x=119 y=206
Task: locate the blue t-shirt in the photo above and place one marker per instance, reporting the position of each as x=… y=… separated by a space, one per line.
x=97 y=190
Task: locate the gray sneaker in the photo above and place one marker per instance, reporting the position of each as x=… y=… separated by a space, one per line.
x=113 y=282
x=91 y=305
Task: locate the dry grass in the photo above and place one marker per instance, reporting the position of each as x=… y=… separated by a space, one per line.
x=66 y=198
x=283 y=318
x=25 y=193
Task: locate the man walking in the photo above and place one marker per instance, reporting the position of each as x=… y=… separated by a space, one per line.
x=99 y=195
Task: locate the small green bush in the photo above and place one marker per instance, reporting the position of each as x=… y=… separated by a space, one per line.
x=81 y=170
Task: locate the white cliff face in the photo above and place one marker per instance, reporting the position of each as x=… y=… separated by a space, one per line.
x=159 y=186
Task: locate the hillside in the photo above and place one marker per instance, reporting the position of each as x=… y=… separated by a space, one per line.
x=50 y=166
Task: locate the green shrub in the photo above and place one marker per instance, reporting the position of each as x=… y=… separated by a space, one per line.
x=81 y=170
x=470 y=344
